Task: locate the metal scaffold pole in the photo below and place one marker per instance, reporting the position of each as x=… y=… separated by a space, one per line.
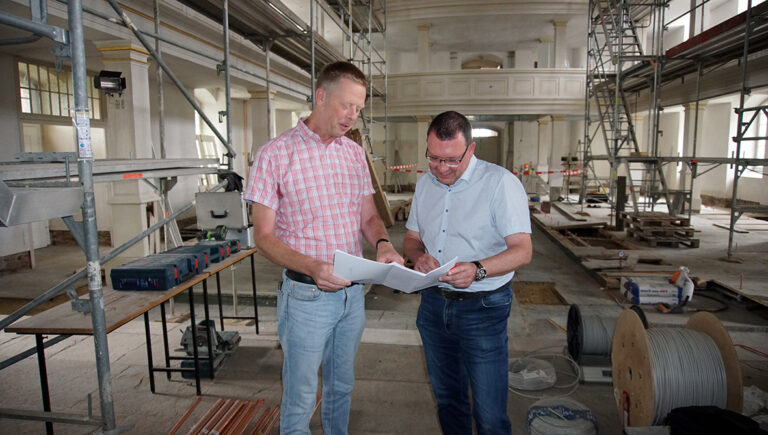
x=228 y=145
x=85 y=174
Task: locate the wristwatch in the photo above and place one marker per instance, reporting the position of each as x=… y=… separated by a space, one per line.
x=480 y=274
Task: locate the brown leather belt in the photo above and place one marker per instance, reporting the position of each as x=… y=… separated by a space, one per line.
x=452 y=295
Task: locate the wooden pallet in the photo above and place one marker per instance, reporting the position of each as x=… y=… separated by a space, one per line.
x=673 y=241
x=660 y=229
x=654 y=219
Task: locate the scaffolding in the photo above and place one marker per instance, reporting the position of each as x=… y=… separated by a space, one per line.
x=620 y=67
x=269 y=24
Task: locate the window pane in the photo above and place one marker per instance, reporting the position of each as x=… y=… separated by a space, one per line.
x=23 y=75
x=89 y=86
x=55 y=105
x=90 y=107
x=62 y=83
x=44 y=78
x=24 y=93
x=35 y=99
x=54 y=81
x=96 y=109
x=25 y=105
x=34 y=81
x=46 y=97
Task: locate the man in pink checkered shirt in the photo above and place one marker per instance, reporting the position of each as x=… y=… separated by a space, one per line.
x=311 y=193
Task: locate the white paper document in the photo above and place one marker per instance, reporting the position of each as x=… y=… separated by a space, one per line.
x=393 y=275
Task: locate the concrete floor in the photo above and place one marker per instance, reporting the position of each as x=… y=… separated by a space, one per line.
x=392 y=394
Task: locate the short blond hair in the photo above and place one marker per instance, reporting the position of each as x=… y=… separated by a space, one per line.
x=333 y=72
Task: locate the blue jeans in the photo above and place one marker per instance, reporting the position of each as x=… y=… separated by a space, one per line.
x=465 y=346
x=317 y=327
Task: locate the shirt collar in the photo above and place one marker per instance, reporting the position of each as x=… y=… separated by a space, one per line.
x=309 y=134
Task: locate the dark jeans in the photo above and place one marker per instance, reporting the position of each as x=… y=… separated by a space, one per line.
x=465 y=345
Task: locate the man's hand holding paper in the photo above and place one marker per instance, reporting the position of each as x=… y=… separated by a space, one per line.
x=392 y=275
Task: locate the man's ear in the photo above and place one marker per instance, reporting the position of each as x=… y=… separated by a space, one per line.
x=320 y=95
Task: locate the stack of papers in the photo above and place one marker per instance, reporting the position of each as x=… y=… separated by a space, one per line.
x=392 y=275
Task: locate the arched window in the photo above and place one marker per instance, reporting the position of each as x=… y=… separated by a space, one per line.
x=483 y=61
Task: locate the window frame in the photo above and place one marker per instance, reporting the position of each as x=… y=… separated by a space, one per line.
x=55 y=119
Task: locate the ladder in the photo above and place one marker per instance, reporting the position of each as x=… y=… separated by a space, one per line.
x=612 y=42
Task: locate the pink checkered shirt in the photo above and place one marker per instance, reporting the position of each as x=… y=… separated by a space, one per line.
x=316 y=190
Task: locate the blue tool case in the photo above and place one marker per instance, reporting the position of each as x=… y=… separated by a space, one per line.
x=154 y=272
x=200 y=253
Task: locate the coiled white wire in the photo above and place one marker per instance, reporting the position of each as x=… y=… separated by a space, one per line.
x=531 y=374
x=688 y=370
x=570 y=386
x=597 y=335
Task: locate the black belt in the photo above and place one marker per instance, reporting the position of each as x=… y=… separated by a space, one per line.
x=303 y=278
x=299 y=277
x=463 y=296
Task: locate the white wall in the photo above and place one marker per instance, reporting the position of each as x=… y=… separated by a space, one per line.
x=525 y=142
x=179 y=136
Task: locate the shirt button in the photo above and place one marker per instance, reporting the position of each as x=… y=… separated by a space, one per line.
x=443 y=230
x=446 y=210
x=439 y=251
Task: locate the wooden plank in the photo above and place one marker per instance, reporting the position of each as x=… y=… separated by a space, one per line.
x=120 y=307
x=379 y=197
x=567 y=213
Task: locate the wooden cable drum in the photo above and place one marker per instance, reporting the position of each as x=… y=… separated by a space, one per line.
x=639 y=367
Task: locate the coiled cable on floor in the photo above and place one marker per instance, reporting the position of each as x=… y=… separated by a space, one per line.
x=688 y=370
x=531 y=374
x=546 y=352
x=561 y=416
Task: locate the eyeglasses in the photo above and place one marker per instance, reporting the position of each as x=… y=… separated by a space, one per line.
x=451 y=163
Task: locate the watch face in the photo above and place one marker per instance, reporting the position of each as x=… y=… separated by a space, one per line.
x=480 y=274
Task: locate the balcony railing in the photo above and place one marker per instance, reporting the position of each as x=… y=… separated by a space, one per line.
x=487 y=92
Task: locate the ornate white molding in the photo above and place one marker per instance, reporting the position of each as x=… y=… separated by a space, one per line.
x=403 y=10
x=487 y=92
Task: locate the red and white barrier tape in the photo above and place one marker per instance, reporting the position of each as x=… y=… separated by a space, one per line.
x=528 y=172
x=398 y=167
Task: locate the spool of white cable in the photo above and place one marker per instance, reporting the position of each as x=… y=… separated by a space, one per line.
x=661 y=369
x=560 y=416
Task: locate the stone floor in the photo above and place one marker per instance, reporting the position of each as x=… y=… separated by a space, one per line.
x=392 y=394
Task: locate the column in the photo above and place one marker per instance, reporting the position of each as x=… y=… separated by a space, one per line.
x=692 y=129
x=129 y=137
x=423 y=45
x=560 y=44
x=454 y=63
x=544 y=144
x=558 y=150
x=421 y=143
x=261 y=123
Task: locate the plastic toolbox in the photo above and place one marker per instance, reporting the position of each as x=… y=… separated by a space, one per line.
x=154 y=272
x=219 y=249
x=234 y=245
x=200 y=252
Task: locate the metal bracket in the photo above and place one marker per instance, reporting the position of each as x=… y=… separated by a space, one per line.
x=62 y=52
x=79 y=305
x=76 y=228
x=222 y=115
x=220 y=68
